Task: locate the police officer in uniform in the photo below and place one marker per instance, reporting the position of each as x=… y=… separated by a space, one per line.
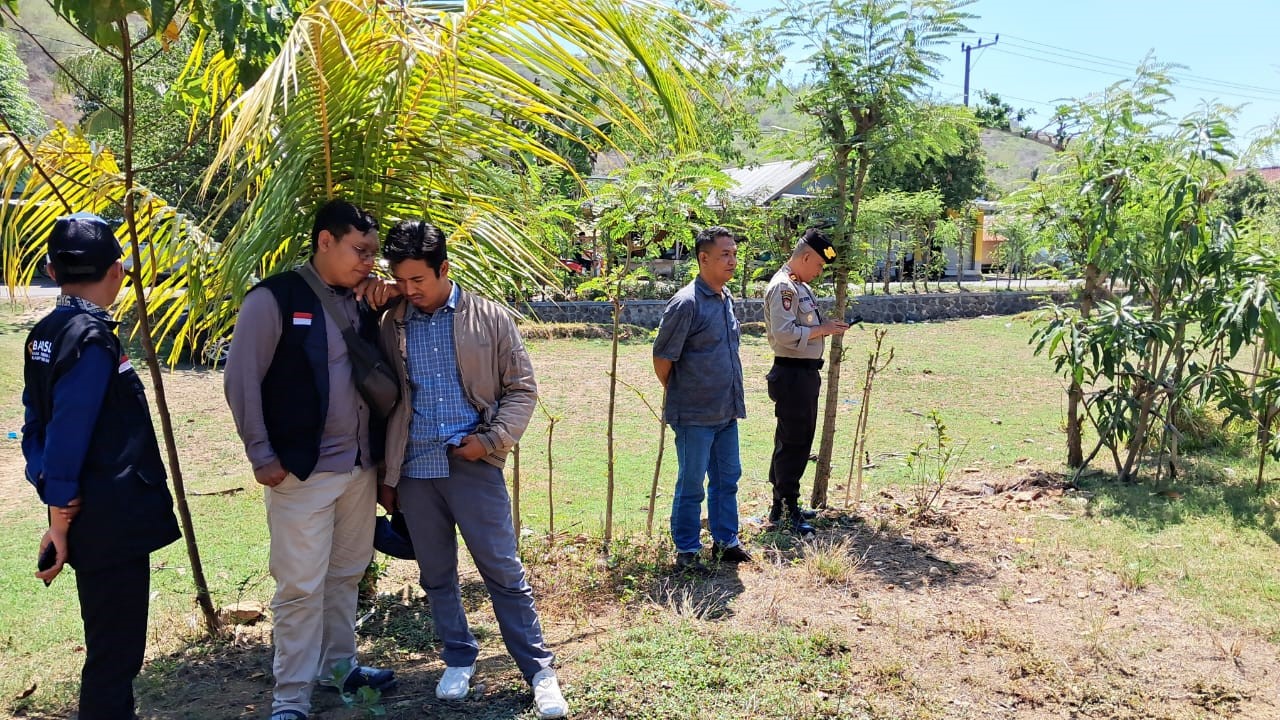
x=796 y=331
x=92 y=455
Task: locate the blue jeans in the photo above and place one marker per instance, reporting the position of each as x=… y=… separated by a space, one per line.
x=709 y=452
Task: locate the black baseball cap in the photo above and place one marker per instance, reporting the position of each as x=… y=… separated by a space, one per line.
x=82 y=247
x=820 y=243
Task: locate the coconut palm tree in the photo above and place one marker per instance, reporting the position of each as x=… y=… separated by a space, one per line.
x=406 y=107
x=411 y=111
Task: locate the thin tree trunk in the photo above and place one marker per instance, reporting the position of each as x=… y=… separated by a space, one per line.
x=613 y=394
x=888 y=261
x=203 y=598
x=845 y=221
x=657 y=466
x=864 y=414
x=551 y=472
x=1075 y=394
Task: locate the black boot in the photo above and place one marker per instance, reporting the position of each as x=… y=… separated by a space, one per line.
x=775 y=512
x=796 y=521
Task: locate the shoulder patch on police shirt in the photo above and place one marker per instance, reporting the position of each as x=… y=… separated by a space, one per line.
x=788 y=297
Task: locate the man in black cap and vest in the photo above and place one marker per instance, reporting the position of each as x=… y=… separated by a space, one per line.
x=314 y=446
x=92 y=455
x=796 y=330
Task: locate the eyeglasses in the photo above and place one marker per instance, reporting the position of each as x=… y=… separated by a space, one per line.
x=365 y=254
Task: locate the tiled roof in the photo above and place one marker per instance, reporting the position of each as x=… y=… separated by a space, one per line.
x=1269 y=174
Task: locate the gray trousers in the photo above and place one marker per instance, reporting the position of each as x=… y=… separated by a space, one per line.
x=474 y=500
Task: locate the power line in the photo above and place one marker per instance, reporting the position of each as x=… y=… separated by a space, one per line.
x=1126 y=65
x=1181 y=76
x=1006 y=96
x=1113 y=73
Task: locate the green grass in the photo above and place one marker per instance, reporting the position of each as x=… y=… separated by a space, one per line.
x=993 y=393
x=692 y=669
x=1213 y=543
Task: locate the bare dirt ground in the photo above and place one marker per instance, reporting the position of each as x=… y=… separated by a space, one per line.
x=951 y=620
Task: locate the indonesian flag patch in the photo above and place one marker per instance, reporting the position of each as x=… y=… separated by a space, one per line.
x=301 y=318
x=125 y=365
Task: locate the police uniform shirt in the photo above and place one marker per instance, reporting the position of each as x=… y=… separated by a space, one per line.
x=790 y=310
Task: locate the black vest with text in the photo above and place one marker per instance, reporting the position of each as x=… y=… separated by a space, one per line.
x=295 y=390
x=126 y=509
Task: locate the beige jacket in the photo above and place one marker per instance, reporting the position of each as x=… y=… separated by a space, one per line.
x=497 y=377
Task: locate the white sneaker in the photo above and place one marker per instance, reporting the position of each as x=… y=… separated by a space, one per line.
x=455 y=683
x=547 y=696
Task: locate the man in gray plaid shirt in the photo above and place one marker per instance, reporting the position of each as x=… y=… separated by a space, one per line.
x=467 y=393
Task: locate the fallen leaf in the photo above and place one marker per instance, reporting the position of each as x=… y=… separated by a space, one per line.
x=1032 y=601
x=26 y=693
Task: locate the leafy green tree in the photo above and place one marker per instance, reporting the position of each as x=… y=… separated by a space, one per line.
x=171 y=155
x=1086 y=205
x=994 y=113
x=869 y=65
x=18 y=112
x=457 y=94
x=1249 y=195
x=735 y=64
x=900 y=225
x=1192 y=300
x=651 y=207
x=960 y=175
x=1020 y=241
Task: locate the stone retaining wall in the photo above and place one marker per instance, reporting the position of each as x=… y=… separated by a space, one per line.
x=870 y=308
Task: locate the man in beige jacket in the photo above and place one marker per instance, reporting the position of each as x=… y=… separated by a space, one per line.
x=467 y=393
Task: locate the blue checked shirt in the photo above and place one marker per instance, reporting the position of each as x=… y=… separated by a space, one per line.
x=442 y=416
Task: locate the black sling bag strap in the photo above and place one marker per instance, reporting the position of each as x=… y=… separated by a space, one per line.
x=373 y=378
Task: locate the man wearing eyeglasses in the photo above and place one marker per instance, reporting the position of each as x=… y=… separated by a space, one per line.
x=314 y=447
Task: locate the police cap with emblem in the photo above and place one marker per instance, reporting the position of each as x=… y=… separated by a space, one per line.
x=82 y=247
x=818 y=240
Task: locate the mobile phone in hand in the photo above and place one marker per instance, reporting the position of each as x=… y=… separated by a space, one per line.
x=47 y=558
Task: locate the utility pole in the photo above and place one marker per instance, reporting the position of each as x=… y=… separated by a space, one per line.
x=968 y=51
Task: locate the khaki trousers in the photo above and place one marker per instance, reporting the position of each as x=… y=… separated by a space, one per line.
x=321 y=543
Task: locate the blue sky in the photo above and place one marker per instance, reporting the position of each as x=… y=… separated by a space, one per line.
x=1052 y=50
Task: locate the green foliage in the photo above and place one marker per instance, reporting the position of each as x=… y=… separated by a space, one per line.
x=106 y=23
x=931 y=463
x=902 y=224
x=992 y=112
x=1248 y=195
x=735 y=63
x=958 y=172
x=415 y=112
x=1021 y=240
x=251 y=31
x=171 y=154
x=869 y=65
x=366 y=698
x=655 y=205
x=1192 y=298
x=20 y=112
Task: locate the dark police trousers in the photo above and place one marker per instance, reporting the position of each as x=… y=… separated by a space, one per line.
x=113 y=606
x=794 y=384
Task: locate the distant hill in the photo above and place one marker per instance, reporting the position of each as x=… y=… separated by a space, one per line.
x=1012 y=159
x=63 y=41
